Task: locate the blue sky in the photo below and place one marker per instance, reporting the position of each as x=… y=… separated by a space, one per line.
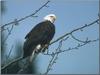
x=70 y=14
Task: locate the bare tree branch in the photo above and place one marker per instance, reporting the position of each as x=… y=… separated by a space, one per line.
x=54 y=57
x=17 y=21
x=77 y=29
x=76 y=47
x=8 y=64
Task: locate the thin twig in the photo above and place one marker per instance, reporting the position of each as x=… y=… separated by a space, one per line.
x=10 y=52
x=77 y=39
x=9 y=33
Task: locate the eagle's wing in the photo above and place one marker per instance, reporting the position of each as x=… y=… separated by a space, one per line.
x=38 y=29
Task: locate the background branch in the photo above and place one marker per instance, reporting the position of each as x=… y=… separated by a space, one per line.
x=31 y=15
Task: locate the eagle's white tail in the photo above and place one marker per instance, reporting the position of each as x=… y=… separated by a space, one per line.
x=34 y=55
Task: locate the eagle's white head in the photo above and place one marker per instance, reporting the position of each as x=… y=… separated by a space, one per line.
x=50 y=17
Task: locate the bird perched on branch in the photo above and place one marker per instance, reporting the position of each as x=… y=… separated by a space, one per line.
x=38 y=39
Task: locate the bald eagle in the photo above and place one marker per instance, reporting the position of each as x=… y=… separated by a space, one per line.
x=39 y=37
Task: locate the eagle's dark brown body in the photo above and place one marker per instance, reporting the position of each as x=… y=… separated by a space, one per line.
x=41 y=34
